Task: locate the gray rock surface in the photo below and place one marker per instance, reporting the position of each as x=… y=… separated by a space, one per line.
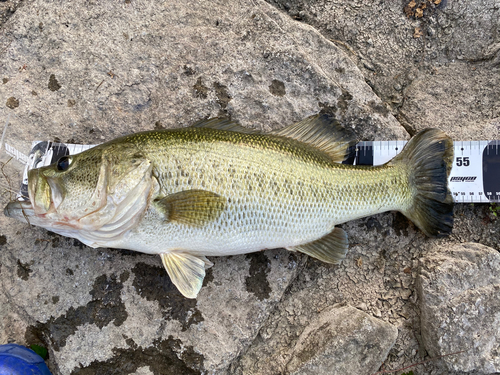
x=342 y=340
x=377 y=277
x=440 y=69
x=338 y=340
x=97 y=310
x=91 y=71
x=459 y=290
x=96 y=71
x=7 y=8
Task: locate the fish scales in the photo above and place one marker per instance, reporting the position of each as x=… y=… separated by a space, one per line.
x=279 y=195
x=217 y=189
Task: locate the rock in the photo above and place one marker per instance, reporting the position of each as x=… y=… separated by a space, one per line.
x=459 y=290
x=102 y=309
x=477 y=110
x=419 y=78
x=202 y=62
x=88 y=72
x=422 y=81
x=7 y=8
x=342 y=340
x=338 y=340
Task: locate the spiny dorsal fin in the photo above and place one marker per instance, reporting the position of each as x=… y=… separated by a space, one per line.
x=192 y=207
x=186 y=271
x=224 y=124
x=331 y=248
x=322 y=132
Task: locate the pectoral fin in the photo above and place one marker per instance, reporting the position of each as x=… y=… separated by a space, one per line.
x=192 y=207
x=331 y=248
x=186 y=271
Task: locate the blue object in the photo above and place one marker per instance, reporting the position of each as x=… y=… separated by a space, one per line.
x=19 y=360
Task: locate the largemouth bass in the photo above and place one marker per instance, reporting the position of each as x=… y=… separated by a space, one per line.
x=218 y=189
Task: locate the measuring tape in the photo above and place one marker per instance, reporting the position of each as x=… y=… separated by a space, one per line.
x=474 y=178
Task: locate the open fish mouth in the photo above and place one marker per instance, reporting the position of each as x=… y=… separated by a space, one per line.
x=20 y=210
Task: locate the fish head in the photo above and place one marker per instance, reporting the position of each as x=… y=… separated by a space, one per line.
x=71 y=188
x=106 y=186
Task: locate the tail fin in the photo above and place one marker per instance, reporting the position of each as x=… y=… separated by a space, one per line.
x=429 y=156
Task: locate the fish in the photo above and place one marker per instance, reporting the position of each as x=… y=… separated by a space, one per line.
x=217 y=188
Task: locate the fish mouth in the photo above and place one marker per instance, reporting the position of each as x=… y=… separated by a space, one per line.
x=40 y=192
x=20 y=210
x=39 y=203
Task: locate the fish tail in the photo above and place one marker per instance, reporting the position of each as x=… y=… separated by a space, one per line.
x=429 y=158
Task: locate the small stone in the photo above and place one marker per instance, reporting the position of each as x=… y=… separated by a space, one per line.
x=405 y=294
x=362 y=306
x=407 y=282
x=12 y=103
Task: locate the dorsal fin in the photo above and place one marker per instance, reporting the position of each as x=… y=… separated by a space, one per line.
x=224 y=124
x=322 y=132
x=319 y=131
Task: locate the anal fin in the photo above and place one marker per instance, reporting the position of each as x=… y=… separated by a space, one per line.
x=186 y=271
x=331 y=248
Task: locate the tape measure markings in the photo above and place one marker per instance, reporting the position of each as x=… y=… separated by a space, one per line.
x=474 y=178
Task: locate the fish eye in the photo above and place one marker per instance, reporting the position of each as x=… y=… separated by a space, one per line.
x=63 y=163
